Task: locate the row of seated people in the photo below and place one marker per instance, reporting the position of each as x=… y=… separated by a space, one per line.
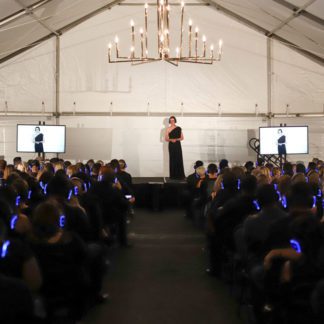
x=57 y=223
x=265 y=225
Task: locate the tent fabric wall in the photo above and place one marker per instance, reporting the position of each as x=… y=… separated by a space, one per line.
x=89 y=84
x=28 y=80
x=92 y=83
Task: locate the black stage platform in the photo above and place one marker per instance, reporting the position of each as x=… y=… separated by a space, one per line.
x=158 y=193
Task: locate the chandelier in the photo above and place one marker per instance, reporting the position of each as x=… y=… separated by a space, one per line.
x=196 y=51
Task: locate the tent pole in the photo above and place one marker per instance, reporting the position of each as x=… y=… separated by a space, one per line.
x=269 y=79
x=57 y=80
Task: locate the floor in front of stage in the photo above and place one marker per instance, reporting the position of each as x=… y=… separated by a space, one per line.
x=162 y=279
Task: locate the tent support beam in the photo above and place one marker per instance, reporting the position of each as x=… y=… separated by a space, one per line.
x=213 y=4
x=290 y=18
x=269 y=78
x=33 y=16
x=57 y=80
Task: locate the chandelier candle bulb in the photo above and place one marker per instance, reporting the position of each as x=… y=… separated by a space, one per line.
x=133 y=32
x=196 y=41
x=116 y=44
x=181 y=27
x=177 y=52
x=220 y=46
x=204 y=45
x=109 y=51
x=190 y=28
x=145 y=26
x=212 y=52
x=142 y=42
x=132 y=50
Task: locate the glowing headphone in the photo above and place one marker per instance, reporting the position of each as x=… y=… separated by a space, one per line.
x=4 y=249
x=13 y=221
x=62 y=221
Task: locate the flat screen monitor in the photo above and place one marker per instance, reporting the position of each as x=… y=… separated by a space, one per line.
x=284 y=140
x=41 y=138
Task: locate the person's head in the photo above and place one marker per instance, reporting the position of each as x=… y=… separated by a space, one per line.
x=276 y=173
x=66 y=164
x=300 y=197
x=106 y=171
x=300 y=168
x=229 y=181
x=260 y=162
x=311 y=166
x=266 y=171
x=115 y=165
x=223 y=164
x=287 y=169
x=17 y=160
x=267 y=195
x=212 y=169
x=279 y=131
x=34 y=165
x=59 y=186
x=262 y=179
x=21 y=188
x=198 y=164
x=238 y=171
x=249 y=185
x=46 y=220
x=37 y=129
x=71 y=170
x=9 y=169
x=172 y=120
x=249 y=165
x=122 y=164
x=284 y=183
x=3 y=164
x=305 y=228
x=9 y=195
x=298 y=177
x=95 y=170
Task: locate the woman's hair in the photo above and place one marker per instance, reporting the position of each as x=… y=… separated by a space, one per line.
x=175 y=119
x=266 y=171
x=37 y=128
x=280 y=130
x=9 y=169
x=122 y=163
x=298 y=177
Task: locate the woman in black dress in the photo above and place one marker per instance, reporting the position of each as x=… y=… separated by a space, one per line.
x=38 y=140
x=174 y=136
x=281 y=143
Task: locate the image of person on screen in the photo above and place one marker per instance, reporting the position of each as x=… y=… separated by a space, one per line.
x=281 y=143
x=38 y=140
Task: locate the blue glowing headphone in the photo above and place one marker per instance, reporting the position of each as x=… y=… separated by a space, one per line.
x=4 y=249
x=13 y=221
x=295 y=245
x=62 y=221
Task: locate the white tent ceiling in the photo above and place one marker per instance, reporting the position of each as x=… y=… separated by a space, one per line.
x=296 y=23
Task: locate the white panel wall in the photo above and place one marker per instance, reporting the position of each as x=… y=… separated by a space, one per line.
x=139 y=140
